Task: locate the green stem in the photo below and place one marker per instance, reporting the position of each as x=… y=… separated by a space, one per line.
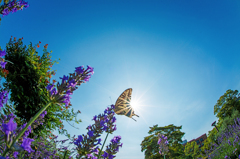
x=26 y=127
x=103 y=146
x=8 y=61
x=164 y=156
x=65 y=154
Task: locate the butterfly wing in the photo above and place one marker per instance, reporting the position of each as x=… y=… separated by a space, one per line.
x=122 y=105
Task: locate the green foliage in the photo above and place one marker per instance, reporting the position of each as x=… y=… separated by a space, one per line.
x=224 y=148
x=27 y=80
x=230 y=120
x=151 y=148
x=226 y=104
x=208 y=143
x=227 y=109
x=176 y=151
x=9 y=107
x=192 y=149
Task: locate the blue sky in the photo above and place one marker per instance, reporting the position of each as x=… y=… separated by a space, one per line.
x=179 y=57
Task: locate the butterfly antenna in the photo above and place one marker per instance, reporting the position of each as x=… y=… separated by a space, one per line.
x=134 y=119
x=110 y=99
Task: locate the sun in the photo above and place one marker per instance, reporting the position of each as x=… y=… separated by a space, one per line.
x=134 y=104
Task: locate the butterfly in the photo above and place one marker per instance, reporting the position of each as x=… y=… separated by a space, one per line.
x=123 y=106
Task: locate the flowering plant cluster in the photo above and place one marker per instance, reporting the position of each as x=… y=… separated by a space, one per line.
x=13 y=7
x=14 y=141
x=35 y=72
x=8 y=131
x=87 y=144
x=229 y=143
x=163 y=144
x=43 y=147
x=57 y=96
x=113 y=147
x=61 y=95
x=2 y=63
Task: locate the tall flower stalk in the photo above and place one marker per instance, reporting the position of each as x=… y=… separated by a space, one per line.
x=58 y=96
x=87 y=145
x=163 y=144
x=13 y=7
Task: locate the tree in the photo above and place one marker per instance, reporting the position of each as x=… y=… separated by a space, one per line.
x=27 y=80
x=226 y=104
x=192 y=149
x=151 y=148
x=227 y=121
x=208 y=143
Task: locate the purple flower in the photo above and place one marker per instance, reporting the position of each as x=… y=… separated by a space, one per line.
x=229 y=142
x=99 y=141
x=5 y=12
x=79 y=70
x=79 y=140
x=87 y=78
x=14 y=10
x=90 y=133
x=2 y=53
x=89 y=155
x=112 y=106
x=64 y=78
x=111 y=156
x=115 y=128
x=53 y=91
x=3 y=64
x=26 y=144
x=72 y=83
x=15 y=154
x=3 y=97
x=105 y=155
x=96 y=149
x=91 y=69
x=10 y=126
x=94 y=118
x=50 y=87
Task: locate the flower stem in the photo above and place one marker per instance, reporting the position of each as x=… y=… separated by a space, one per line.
x=103 y=146
x=26 y=127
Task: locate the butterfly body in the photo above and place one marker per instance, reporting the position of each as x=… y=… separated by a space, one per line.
x=123 y=106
